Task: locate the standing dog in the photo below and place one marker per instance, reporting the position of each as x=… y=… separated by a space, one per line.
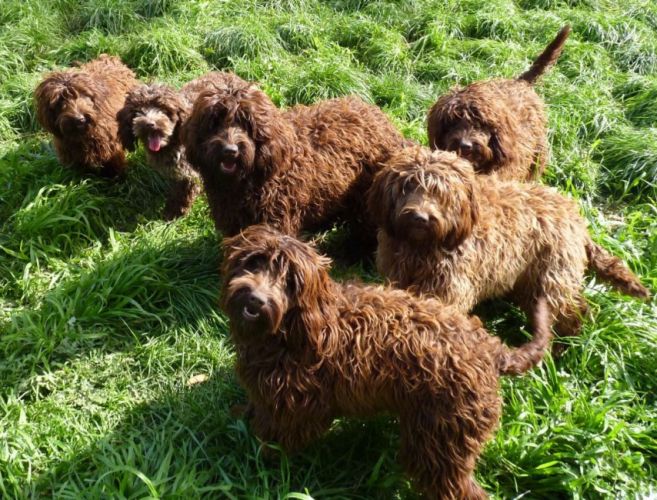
x=466 y=239
x=499 y=125
x=310 y=350
x=154 y=114
x=78 y=107
x=300 y=169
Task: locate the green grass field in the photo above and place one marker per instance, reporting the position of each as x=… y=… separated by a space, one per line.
x=108 y=315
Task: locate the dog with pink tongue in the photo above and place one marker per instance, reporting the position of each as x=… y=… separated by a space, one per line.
x=153 y=115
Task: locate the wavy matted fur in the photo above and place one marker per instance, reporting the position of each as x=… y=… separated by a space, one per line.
x=154 y=114
x=310 y=350
x=499 y=125
x=467 y=238
x=300 y=169
x=78 y=107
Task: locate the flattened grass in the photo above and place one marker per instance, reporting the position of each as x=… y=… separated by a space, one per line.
x=115 y=362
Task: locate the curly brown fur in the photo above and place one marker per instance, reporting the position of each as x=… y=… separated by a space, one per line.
x=467 y=239
x=300 y=169
x=153 y=114
x=499 y=125
x=78 y=107
x=310 y=350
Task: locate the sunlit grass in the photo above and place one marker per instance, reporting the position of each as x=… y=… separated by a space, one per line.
x=116 y=364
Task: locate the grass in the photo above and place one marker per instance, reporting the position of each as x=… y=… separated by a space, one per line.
x=115 y=362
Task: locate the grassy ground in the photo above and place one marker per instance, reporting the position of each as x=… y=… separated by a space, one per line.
x=108 y=314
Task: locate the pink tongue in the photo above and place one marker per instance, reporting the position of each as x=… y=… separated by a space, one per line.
x=154 y=143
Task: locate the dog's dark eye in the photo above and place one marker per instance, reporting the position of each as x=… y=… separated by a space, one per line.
x=254 y=263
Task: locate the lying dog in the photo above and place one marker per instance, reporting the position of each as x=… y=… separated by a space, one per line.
x=499 y=125
x=310 y=350
x=466 y=239
x=154 y=114
x=78 y=107
x=300 y=169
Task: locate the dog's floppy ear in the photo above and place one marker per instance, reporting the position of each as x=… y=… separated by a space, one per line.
x=46 y=96
x=382 y=195
x=467 y=208
x=203 y=115
x=125 y=116
x=272 y=134
x=310 y=286
x=502 y=147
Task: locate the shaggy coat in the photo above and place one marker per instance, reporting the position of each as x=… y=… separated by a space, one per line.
x=154 y=114
x=78 y=107
x=300 y=169
x=499 y=125
x=310 y=350
x=466 y=238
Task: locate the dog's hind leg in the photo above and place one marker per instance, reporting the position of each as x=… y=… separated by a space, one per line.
x=439 y=451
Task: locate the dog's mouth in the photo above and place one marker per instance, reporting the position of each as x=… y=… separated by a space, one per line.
x=228 y=166
x=154 y=143
x=250 y=314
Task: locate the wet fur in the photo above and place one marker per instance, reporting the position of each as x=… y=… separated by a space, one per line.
x=322 y=350
x=93 y=92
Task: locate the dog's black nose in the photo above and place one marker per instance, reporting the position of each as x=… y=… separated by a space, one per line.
x=255 y=301
x=420 y=217
x=230 y=150
x=465 y=146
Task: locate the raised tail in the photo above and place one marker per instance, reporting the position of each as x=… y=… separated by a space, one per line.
x=517 y=361
x=613 y=270
x=547 y=58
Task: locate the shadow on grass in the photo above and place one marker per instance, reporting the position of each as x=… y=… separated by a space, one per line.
x=186 y=445
x=152 y=285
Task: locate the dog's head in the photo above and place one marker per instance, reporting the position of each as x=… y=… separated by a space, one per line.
x=152 y=114
x=425 y=197
x=235 y=131
x=69 y=103
x=474 y=127
x=274 y=285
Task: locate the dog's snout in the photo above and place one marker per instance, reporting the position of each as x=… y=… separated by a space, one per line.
x=419 y=217
x=230 y=150
x=256 y=300
x=465 y=145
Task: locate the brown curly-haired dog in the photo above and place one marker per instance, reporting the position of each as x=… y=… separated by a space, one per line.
x=154 y=114
x=78 y=107
x=499 y=125
x=310 y=350
x=467 y=238
x=300 y=169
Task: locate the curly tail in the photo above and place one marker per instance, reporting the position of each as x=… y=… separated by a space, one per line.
x=611 y=269
x=519 y=360
x=547 y=58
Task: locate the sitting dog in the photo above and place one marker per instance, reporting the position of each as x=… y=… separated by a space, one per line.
x=154 y=114
x=499 y=125
x=466 y=238
x=310 y=350
x=300 y=169
x=78 y=107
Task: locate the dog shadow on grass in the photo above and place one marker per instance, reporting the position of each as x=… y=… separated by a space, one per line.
x=142 y=289
x=187 y=444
